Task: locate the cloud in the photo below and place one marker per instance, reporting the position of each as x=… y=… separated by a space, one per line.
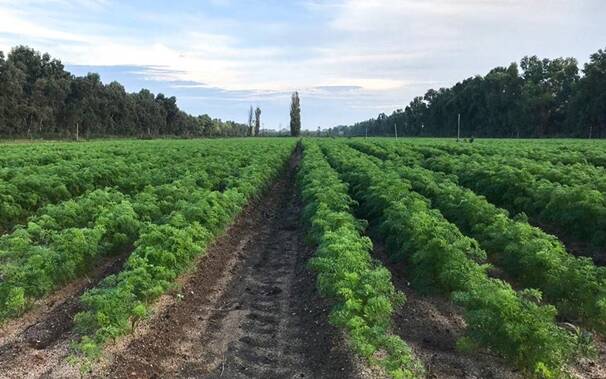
x=213 y=56
x=16 y=23
x=186 y=84
x=338 y=88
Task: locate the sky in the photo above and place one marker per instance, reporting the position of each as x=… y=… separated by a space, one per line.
x=349 y=59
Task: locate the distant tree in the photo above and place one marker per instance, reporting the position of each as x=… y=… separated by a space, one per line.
x=546 y=91
x=169 y=111
x=295 y=115
x=251 y=131
x=415 y=116
x=257 y=120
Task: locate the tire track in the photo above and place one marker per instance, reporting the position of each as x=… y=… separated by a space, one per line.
x=267 y=341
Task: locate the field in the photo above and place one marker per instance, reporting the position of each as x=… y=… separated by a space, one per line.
x=281 y=257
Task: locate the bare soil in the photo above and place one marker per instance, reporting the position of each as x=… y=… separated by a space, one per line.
x=593 y=367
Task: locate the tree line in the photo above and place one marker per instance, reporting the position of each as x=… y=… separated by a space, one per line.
x=537 y=98
x=40 y=99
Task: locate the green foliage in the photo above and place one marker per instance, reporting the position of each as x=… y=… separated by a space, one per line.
x=509 y=323
x=169 y=206
x=535 y=98
x=295 y=115
x=521 y=186
x=361 y=288
x=14 y=301
x=531 y=257
x=40 y=99
x=34 y=177
x=186 y=217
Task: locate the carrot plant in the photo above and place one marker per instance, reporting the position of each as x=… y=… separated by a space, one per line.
x=531 y=257
x=63 y=241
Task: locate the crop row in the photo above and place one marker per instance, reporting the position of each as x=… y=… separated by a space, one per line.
x=578 y=212
x=512 y=324
x=572 y=174
x=65 y=240
x=556 y=152
x=528 y=255
x=26 y=189
x=166 y=249
x=19 y=155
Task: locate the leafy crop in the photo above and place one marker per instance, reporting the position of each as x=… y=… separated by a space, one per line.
x=63 y=241
x=185 y=218
x=580 y=210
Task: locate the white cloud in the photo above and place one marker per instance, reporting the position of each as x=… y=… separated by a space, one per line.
x=16 y=22
x=197 y=54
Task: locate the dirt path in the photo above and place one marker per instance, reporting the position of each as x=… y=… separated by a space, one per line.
x=250 y=310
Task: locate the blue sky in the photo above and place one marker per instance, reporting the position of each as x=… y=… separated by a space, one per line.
x=349 y=59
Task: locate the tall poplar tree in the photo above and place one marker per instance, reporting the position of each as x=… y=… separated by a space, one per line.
x=295 y=115
x=257 y=120
x=251 y=131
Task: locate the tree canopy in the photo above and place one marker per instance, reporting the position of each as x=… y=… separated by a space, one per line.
x=257 y=121
x=537 y=98
x=295 y=115
x=40 y=99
